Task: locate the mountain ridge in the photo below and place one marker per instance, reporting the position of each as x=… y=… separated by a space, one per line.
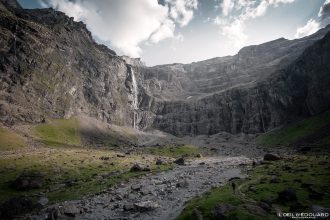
x=52 y=68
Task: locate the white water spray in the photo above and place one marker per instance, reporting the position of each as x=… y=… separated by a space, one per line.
x=135 y=98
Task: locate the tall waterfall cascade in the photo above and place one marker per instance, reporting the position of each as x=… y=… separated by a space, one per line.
x=135 y=98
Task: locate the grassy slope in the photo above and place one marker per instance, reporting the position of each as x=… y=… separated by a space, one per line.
x=304 y=169
x=83 y=167
x=65 y=160
x=297 y=131
x=59 y=132
x=10 y=140
x=174 y=151
x=308 y=169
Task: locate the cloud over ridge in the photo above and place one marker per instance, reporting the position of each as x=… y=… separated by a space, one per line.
x=235 y=14
x=124 y=25
x=314 y=24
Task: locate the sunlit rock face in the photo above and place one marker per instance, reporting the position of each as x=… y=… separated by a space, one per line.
x=51 y=68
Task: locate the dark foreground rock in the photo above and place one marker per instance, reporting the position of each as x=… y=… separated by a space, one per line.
x=180 y=161
x=271 y=157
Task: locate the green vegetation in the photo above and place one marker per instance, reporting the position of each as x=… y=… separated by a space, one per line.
x=297 y=131
x=305 y=175
x=174 y=151
x=10 y=140
x=70 y=173
x=59 y=132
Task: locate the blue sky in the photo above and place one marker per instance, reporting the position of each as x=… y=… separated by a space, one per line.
x=184 y=31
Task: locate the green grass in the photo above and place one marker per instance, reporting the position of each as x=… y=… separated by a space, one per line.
x=257 y=188
x=9 y=140
x=59 y=132
x=82 y=166
x=295 y=132
x=174 y=151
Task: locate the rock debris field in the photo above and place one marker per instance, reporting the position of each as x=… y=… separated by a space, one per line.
x=154 y=196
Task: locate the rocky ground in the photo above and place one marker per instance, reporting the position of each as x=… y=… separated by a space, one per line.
x=158 y=196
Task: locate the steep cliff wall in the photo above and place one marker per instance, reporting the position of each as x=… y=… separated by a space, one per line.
x=295 y=87
x=51 y=67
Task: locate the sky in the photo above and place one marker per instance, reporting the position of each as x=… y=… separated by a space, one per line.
x=185 y=31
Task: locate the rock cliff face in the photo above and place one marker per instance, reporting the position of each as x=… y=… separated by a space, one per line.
x=51 y=68
x=256 y=90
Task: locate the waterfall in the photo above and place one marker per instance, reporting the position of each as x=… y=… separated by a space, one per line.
x=135 y=98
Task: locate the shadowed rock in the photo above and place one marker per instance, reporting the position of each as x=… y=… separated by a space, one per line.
x=180 y=161
x=271 y=157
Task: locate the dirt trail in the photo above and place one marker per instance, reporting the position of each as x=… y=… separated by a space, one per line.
x=165 y=193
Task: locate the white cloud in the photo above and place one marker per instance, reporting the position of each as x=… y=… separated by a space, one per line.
x=314 y=25
x=235 y=33
x=128 y=25
x=166 y=30
x=182 y=11
x=227 y=6
x=310 y=28
x=235 y=14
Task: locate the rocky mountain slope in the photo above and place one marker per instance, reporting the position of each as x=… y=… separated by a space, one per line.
x=258 y=89
x=51 y=68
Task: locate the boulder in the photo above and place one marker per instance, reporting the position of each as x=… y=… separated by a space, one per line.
x=71 y=210
x=136 y=168
x=182 y=184
x=271 y=157
x=42 y=201
x=128 y=207
x=180 y=161
x=136 y=187
x=145 y=206
x=159 y=161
